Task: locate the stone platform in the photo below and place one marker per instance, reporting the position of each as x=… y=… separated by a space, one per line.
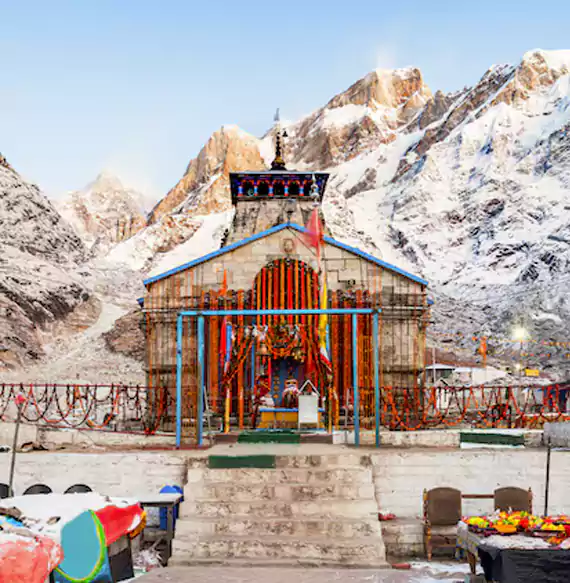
x=419 y=573
x=301 y=509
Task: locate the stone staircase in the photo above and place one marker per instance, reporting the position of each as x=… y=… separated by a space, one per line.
x=305 y=510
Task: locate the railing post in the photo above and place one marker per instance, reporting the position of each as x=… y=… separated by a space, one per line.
x=252 y=365
x=355 y=381
x=201 y=370
x=227 y=396
x=330 y=392
x=375 y=329
x=178 y=381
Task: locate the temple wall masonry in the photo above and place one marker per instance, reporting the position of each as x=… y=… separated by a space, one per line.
x=245 y=272
x=114 y=474
x=400 y=475
x=243 y=264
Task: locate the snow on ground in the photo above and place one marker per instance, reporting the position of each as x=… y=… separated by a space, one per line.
x=186 y=238
x=90 y=362
x=38 y=509
x=205 y=240
x=84 y=357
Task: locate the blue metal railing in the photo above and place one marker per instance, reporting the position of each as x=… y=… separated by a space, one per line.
x=201 y=314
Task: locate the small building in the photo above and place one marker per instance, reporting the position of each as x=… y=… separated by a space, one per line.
x=438 y=371
x=268 y=262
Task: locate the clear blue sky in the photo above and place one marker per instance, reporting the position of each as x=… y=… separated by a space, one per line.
x=137 y=86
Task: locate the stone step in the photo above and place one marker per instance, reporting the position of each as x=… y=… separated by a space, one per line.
x=185 y=561
x=194 y=527
x=356 y=475
x=309 y=549
x=332 y=461
x=404 y=537
x=322 y=508
x=243 y=492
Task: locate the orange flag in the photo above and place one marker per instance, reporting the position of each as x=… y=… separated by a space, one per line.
x=224 y=289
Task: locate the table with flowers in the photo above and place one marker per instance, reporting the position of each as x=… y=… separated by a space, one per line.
x=518 y=547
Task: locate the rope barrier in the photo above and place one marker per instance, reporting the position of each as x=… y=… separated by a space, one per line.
x=144 y=409
x=139 y=408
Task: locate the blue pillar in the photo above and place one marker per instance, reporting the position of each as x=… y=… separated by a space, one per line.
x=355 y=381
x=375 y=331
x=226 y=365
x=178 y=381
x=201 y=369
x=228 y=342
x=329 y=396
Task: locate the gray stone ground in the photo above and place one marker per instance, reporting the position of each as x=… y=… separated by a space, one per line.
x=420 y=573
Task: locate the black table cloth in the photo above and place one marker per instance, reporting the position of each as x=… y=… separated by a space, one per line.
x=525 y=566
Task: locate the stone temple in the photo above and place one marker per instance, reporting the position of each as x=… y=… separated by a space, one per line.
x=212 y=345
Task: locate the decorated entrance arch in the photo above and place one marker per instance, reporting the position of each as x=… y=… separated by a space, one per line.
x=288 y=346
x=243 y=352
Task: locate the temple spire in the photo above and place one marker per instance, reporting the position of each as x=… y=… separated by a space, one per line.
x=278 y=162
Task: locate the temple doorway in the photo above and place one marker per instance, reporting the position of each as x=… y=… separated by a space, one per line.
x=288 y=378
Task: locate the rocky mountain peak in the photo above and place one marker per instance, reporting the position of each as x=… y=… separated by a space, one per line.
x=30 y=222
x=104 y=182
x=397 y=88
x=204 y=188
x=105 y=211
x=4 y=162
x=531 y=87
x=537 y=72
x=540 y=60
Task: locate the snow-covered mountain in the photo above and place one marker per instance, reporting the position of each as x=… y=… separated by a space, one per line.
x=104 y=212
x=41 y=285
x=479 y=202
x=469 y=189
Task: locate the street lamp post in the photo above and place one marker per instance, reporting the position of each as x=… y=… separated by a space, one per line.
x=520 y=334
x=519 y=364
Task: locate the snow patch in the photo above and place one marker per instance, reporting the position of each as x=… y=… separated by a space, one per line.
x=205 y=240
x=559 y=59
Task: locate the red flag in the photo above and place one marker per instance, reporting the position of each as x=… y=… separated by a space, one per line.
x=314 y=233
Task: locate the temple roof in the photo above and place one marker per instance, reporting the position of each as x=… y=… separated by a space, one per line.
x=276 y=229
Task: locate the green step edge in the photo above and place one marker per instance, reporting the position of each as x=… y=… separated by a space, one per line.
x=269 y=437
x=230 y=462
x=491 y=438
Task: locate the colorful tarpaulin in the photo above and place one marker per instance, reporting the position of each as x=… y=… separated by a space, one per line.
x=119 y=521
x=85 y=551
x=27 y=558
x=72 y=529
